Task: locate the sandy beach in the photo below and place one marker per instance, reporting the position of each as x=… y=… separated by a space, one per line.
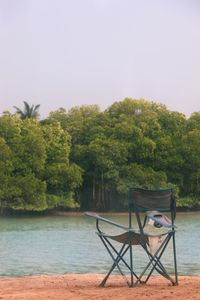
x=85 y=286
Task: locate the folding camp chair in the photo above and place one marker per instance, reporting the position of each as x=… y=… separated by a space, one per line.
x=147 y=201
x=152 y=203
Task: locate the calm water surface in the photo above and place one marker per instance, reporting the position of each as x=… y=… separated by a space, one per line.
x=59 y=245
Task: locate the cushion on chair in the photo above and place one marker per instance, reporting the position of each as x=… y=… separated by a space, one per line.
x=159 y=219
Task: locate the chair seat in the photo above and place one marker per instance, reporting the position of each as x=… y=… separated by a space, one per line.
x=125 y=238
x=131 y=238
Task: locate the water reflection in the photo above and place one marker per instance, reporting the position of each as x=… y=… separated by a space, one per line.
x=59 y=245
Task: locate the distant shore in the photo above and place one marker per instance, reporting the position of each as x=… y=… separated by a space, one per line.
x=78 y=213
x=85 y=287
x=116 y=213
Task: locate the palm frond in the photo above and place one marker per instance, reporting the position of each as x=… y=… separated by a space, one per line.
x=29 y=111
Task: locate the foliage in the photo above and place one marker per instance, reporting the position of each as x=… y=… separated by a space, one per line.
x=35 y=172
x=89 y=159
x=188 y=202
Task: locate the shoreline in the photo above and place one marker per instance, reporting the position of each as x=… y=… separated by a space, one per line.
x=80 y=213
x=85 y=286
x=118 y=213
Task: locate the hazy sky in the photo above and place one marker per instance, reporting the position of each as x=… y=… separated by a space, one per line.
x=63 y=53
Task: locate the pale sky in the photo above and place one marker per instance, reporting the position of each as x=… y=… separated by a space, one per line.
x=64 y=53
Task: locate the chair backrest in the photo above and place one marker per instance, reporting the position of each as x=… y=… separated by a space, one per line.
x=144 y=200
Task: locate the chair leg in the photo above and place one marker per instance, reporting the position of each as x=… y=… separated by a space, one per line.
x=163 y=270
x=155 y=261
x=131 y=264
x=175 y=261
x=116 y=261
x=122 y=259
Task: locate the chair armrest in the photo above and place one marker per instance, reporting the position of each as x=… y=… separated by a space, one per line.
x=99 y=218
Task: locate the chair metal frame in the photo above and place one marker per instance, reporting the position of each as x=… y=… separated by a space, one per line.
x=138 y=203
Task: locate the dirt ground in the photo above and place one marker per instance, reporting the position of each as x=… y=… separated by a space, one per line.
x=85 y=286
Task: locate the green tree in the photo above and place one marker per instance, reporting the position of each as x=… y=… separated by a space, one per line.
x=96 y=156
x=108 y=155
x=6 y=168
x=26 y=150
x=194 y=121
x=61 y=176
x=133 y=175
x=191 y=167
x=36 y=173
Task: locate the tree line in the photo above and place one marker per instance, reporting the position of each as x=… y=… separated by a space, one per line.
x=87 y=158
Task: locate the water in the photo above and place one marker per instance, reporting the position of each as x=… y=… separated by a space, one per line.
x=60 y=245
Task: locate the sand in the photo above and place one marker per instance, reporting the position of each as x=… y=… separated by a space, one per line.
x=85 y=286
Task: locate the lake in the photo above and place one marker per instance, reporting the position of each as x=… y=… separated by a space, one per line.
x=68 y=244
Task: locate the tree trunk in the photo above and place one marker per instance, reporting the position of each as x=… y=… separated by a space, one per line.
x=102 y=191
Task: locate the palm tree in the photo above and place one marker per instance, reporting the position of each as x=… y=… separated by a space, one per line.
x=29 y=112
